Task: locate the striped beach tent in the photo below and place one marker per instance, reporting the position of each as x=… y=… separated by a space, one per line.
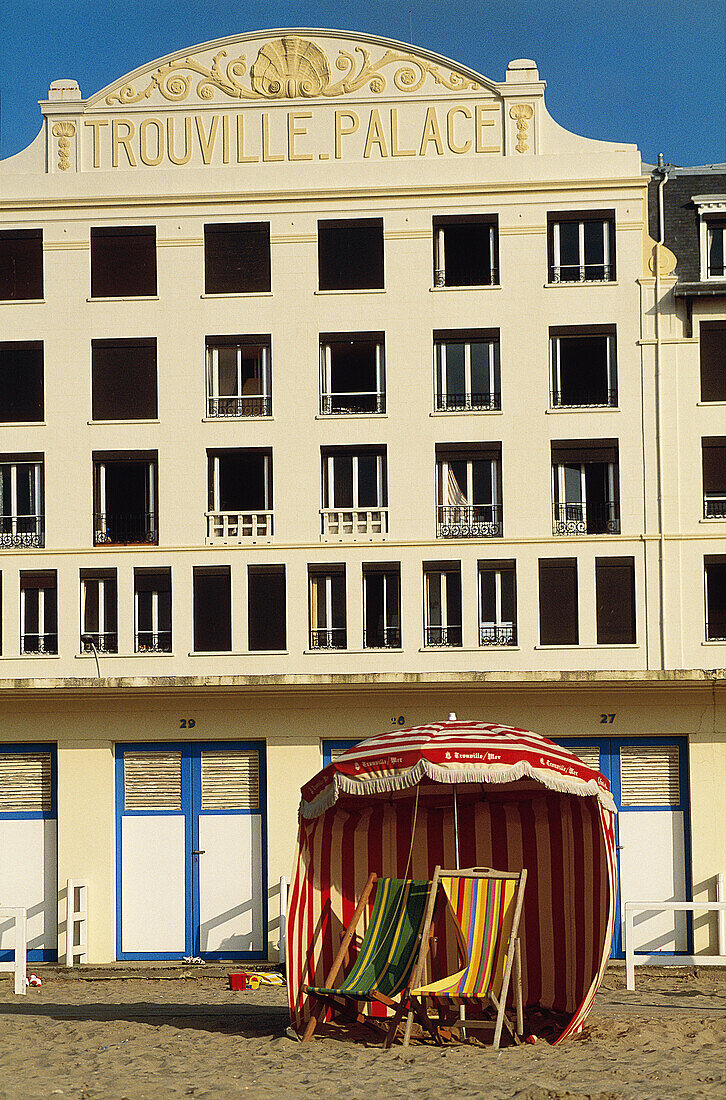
x=386 y=805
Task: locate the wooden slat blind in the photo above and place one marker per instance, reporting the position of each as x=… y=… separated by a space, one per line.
x=589 y=754
x=230 y=780
x=152 y=781
x=649 y=775
x=25 y=782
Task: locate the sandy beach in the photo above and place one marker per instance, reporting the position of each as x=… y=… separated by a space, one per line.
x=142 y=1037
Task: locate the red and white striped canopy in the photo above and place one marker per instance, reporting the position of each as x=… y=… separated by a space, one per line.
x=386 y=805
x=451 y=752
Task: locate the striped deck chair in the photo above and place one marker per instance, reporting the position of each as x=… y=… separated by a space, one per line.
x=382 y=969
x=486 y=906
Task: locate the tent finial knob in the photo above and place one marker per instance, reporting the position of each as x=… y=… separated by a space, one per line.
x=452 y=716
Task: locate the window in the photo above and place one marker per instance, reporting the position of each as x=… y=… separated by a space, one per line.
x=466 y=250
x=21 y=382
x=615 y=600
x=467 y=371
x=352 y=373
x=382 y=606
x=124 y=498
x=21 y=264
x=583 y=368
x=266 y=617
x=152 y=610
x=581 y=246
x=99 y=620
x=715 y=571
x=38 y=613
x=585 y=487
x=715 y=232
x=355 y=495
x=240 y=494
x=558 y=617
x=123 y=262
x=714 y=477
x=21 y=501
x=713 y=360
x=239 y=378
x=497 y=603
x=124 y=380
x=327 y=607
x=350 y=254
x=442 y=604
x=468 y=489
x=237 y=258
x=212 y=610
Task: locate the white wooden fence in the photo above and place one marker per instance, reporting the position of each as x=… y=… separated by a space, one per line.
x=76 y=921
x=18 y=965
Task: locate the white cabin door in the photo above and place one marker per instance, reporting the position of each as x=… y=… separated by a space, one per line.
x=190 y=851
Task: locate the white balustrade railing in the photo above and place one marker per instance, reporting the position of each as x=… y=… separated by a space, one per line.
x=18 y=966
x=354 y=522
x=76 y=921
x=239 y=525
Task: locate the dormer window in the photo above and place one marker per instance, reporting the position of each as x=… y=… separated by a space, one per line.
x=712 y=237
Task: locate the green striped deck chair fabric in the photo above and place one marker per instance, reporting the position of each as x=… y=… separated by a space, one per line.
x=389 y=946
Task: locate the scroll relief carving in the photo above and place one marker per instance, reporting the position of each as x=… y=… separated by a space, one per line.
x=64 y=131
x=522 y=113
x=290 y=68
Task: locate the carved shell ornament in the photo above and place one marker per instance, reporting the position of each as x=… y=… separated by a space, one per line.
x=291 y=68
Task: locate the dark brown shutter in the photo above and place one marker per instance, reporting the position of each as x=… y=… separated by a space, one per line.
x=212 y=610
x=124 y=380
x=558 y=623
x=615 y=600
x=21 y=264
x=123 y=262
x=266 y=607
x=237 y=258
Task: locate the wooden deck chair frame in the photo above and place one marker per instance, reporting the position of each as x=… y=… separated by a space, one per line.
x=513 y=963
x=389 y=1026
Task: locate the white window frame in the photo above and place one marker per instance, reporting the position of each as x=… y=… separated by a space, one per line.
x=559 y=492
x=609 y=367
x=440 y=256
x=444 y=624
x=14 y=516
x=315 y=579
x=155 y=631
x=440 y=368
x=386 y=575
x=101 y=631
x=41 y=589
x=213 y=393
x=499 y=622
x=329 y=482
x=326 y=377
x=494 y=477
x=582 y=258
x=710 y=208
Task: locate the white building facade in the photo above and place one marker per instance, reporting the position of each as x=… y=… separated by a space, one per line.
x=337 y=390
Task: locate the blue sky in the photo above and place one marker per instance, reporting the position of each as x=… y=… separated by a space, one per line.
x=651 y=72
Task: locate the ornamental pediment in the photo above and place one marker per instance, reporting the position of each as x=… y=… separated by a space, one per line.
x=296 y=65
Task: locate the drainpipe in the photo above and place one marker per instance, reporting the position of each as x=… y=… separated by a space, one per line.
x=659 y=411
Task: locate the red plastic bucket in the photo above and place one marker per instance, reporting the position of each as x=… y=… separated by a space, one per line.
x=237 y=981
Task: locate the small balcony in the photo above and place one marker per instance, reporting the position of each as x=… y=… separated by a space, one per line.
x=25 y=532
x=34 y=643
x=105 y=642
x=580 y=518
x=239 y=525
x=328 y=638
x=152 y=641
x=354 y=523
x=235 y=407
x=501 y=634
x=469 y=521
x=361 y=401
x=589 y=398
x=386 y=637
x=442 y=637
x=125 y=529
x=468 y=402
x=582 y=273
x=714 y=506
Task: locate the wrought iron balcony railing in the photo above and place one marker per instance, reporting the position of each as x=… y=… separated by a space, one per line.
x=469 y=521
x=386 y=637
x=249 y=405
x=114 y=528
x=468 y=402
x=582 y=273
x=716 y=629
x=153 y=641
x=38 y=643
x=328 y=638
x=714 y=506
x=606 y=399
x=502 y=634
x=107 y=642
x=27 y=532
x=597 y=518
x=360 y=402
x=441 y=636
x=491 y=278
x=354 y=522
x=239 y=525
